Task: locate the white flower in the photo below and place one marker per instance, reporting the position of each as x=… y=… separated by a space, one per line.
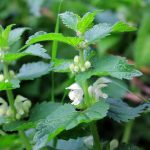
x=3 y=107
x=76 y=93
x=95 y=90
x=22 y=106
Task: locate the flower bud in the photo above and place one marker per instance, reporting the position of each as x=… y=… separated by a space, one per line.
x=76 y=69
x=18 y=116
x=76 y=59
x=1 y=77
x=71 y=67
x=87 y=64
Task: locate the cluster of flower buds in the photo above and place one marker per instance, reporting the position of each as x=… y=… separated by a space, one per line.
x=21 y=104
x=78 y=66
x=76 y=93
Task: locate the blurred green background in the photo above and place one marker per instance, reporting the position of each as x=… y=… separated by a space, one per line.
x=40 y=15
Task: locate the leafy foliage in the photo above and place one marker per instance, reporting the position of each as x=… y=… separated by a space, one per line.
x=97 y=32
x=33 y=70
x=61 y=65
x=114 y=66
x=121 y=112
x=58 y=121
x=15 y=35
x=73 y=41
x=12 y=84
x=70 y=20
x=86 y=21
x=122 y=27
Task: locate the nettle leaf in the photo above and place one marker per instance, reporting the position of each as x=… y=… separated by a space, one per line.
x=114 y=66
x=18 y=125
x=15 y=35
x=34 y=50
x=73 y=41
x=4 y=36
x=70 y=20
x=86 y=21
x=58 y=121
x=12 y=84
x=122 y=27
x=37 y=50
x=33 y=70
x=122 y=112
x=97 y=32
x=9 y=57
x=42 y=110
x=61 y=65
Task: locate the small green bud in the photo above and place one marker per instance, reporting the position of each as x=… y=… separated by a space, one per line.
x=76 y=59
x=87 y=64
x=76 y=69
x=1 y=77
x=18 y=116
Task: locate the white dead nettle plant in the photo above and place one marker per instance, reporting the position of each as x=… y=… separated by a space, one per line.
x=76 y=92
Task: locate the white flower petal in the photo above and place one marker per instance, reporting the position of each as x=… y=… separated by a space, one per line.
x=74 y=86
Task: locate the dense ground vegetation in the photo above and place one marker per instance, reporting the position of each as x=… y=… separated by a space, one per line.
x=74 y=75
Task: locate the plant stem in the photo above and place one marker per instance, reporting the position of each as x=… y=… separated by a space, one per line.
x=54 y=52
x=9 y=92
x=25 y=140
x=93 y=127
x=10 y=97
x=127 y=132
x=97 y=144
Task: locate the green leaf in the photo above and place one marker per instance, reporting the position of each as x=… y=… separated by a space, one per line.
x=73 y=41
x=97 y=32
x=86 y=21
x=71 y=144
x=58 y=121
x=70 y=20
x=15 y=35
x=33 y=70
x=114 y=66
x=9 y=57
x=122 y=27
x=18 y=125
x=34 y=50
x=38 y=112
x=121 y=112
x=4 y=36
x=42 y=110
x=13 y=84
x=6 y=32
x=37 y=50
x=61 y=65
